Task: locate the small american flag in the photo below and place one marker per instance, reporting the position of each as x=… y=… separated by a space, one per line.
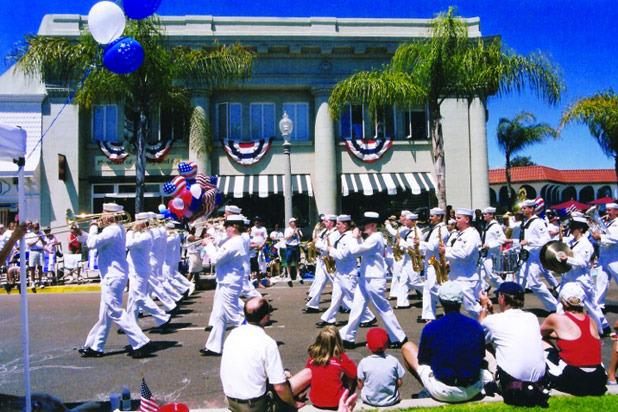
x=571 y=209
x=147 y=402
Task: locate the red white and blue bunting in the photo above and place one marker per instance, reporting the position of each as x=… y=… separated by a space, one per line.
x=246 y=153
x=117 y=153
x=369 y=150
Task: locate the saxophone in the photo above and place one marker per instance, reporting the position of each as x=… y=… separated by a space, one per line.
x=329 y=261
x=415 y=254
x=397 y=252
x=440 y=264
x=311 y=252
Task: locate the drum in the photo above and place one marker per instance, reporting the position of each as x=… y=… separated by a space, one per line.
x=506 y=263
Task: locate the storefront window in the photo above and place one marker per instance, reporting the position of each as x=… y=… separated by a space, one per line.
x=262 y=120
x=299 y=114
x=105 y=123
x=229 y=121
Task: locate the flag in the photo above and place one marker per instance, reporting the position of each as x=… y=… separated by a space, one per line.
x=571 y=209
x=147 y=402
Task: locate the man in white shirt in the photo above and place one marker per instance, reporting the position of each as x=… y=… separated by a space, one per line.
x=517 y=341
x=608 y=253
x=251 y=362
x=397 y=264
x=492 y=240
x=258 y=237
x=322 y=276
x=35 y=242
x=292 y=236
x=410 y=276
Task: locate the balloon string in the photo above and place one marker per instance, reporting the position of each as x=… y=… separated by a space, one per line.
x=79 y=85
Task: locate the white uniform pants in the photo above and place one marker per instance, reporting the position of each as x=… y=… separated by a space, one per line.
x=608 y=269
x=530 y=271
x=590 y=303
x=343 y=289
x=397 y=267
x=110 y=310
x=471 y=289
x=224 y=313
x=430 y=293
x=140 y=300
x=248 y=290
x=159 y=292
x=409 y=279
x=216 y=304
x=184 y=281
x=372 y=291
x=321 y=277
x=168 y=274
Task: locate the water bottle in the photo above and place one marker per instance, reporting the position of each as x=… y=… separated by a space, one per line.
x=125 y=404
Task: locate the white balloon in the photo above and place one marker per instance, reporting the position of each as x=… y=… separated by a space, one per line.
x=106 y=22
x=196 y=191
x=178 y=203
x=162 y=208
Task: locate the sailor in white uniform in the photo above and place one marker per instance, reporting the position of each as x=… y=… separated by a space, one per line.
x=113 y=266
x=429 y=248
x=139 y=245
x=533 y=236
x=410 y=278
x=397 y=264
x=229 y=262
x=371 y=285
x=346 y=274
x=154 y=283
x=159 y=253
x=321 y=274
x=172 y=259
x=608 y=253
x=583 y=252
x=492 y=239
x=462 y=253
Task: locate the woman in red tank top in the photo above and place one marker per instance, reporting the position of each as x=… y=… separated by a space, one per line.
x=575 y=365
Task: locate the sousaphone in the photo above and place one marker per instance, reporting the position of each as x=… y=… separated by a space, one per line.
x=549 y=254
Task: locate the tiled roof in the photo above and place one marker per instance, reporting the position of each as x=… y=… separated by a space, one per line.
x=547 y=174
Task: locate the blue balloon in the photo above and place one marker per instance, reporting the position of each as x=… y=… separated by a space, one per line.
x=140 y=9
x=123 y=56
x=167 y=214
x=218 y=199
x=196 y=203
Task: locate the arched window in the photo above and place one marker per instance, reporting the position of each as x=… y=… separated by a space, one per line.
x=530 y=191
x=569 y=194
x=492 y=197
x=586 y=194
x=604 y=191
x=504 y=201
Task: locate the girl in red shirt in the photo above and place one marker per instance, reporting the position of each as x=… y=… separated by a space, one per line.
x=332 y=371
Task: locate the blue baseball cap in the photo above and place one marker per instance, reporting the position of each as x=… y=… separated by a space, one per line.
x=510 y=288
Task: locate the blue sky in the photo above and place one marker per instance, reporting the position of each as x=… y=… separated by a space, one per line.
x=579 y=35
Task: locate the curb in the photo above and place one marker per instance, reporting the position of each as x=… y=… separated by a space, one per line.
x=58 y=289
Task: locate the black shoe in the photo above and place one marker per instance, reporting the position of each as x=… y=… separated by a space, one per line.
x=344 y=310
x=140 y=315
x=142 y=352
x=208 y=328
x=120 y=332
x=369 y=324
x=90 y=353
x=349 y=345
x=173 y=311
x=33 y=288
x=397 y=345
x=606 y=332
x=311 y=310
x=403 y=307
x=290 y=284
x=162 y=326
x=208 y=352
x=322 y=324
x=301 y=281
x=8 y=288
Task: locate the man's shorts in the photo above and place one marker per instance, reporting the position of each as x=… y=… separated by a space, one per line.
x=445 y=393
x=35 y=258
x=292 y=254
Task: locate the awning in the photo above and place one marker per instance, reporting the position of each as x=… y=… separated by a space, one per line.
x=262 y=185
x=30 y=120
x=132 y=195
x=370 y=183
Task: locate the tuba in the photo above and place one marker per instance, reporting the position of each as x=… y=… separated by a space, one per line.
x=439 y=265
x=596 y=223
x=415 y=254
x=329 y=261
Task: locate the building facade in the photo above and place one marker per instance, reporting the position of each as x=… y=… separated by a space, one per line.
x=298 y=62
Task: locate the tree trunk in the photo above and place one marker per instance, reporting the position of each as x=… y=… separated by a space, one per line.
x=140 y=162
x=439 y=163
x=616 y=168
x=508 y=178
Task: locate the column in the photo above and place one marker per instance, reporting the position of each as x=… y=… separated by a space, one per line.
x=478 y=149
x=197 y=155
x=325 y=177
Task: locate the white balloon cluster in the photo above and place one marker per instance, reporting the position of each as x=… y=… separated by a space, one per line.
x=106 y=22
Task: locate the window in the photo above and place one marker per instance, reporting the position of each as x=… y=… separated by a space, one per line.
x=415 y=123
x=299 y=114
x=229 y=121
x=105 y=123
x=174 y=124
x=355 y=118
x=262 y=120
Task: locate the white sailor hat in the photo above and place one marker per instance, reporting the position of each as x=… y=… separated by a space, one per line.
x=160 y=216
x=405 y=212
x=411 y=216
x=151 y=215
x=371 y=217
x=292 y=219
x=577 y=214
x=142 y=216
x=344 y=218
x=464 y=211
x=451 y=221
x=112 y=207
x=233 y=209
x=330 y=217
x=234 y=220
x=573 y=294
x=490 y=210
x=529 y=203
x=579 y=219
x=170 y=225
x=611 y=206
x=436 y=211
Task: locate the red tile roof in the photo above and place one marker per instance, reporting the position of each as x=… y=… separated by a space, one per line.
x=542 y=174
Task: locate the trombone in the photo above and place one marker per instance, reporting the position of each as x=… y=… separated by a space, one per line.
x=85 y=219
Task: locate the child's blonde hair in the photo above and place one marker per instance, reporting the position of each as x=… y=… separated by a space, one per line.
x=328 y=344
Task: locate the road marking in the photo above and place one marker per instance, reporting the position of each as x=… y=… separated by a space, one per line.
x=202 y=328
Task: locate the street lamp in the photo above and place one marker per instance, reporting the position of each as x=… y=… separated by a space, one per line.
x=286 y=126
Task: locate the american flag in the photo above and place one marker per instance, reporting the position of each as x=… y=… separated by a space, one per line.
x=147 y=402
x=204 y=181
x=210 y=199
x=188 y=170
x=571 y=209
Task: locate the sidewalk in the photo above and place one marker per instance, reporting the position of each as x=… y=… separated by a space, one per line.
x=89 y=288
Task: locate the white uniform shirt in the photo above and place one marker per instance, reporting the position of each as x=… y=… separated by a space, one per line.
x=345 y=261
x=324 y=237
x=229 y=260
x=110 y=245
x=462 y=253
x=172 y=252
x=536 y=233
x=371 y=251
x=159 y=246
x=580 y=262
x=430 y=247
x=140 y=246
x=250 y=358
x=494 y=237
x=246 y=239
x=516 y=336
x=609 y=242
x=515 y=231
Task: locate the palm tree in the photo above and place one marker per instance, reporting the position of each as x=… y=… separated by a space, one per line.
x=448 y=64
x=600 y=113
x=517 y=134
x=166 y=77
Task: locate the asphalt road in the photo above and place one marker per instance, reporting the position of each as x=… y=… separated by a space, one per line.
x=59 y=324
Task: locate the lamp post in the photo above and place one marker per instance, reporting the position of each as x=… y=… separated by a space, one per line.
x=286 y=126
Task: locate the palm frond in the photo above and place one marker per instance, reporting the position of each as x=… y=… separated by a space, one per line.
x=520 y=132
x=200 y=132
